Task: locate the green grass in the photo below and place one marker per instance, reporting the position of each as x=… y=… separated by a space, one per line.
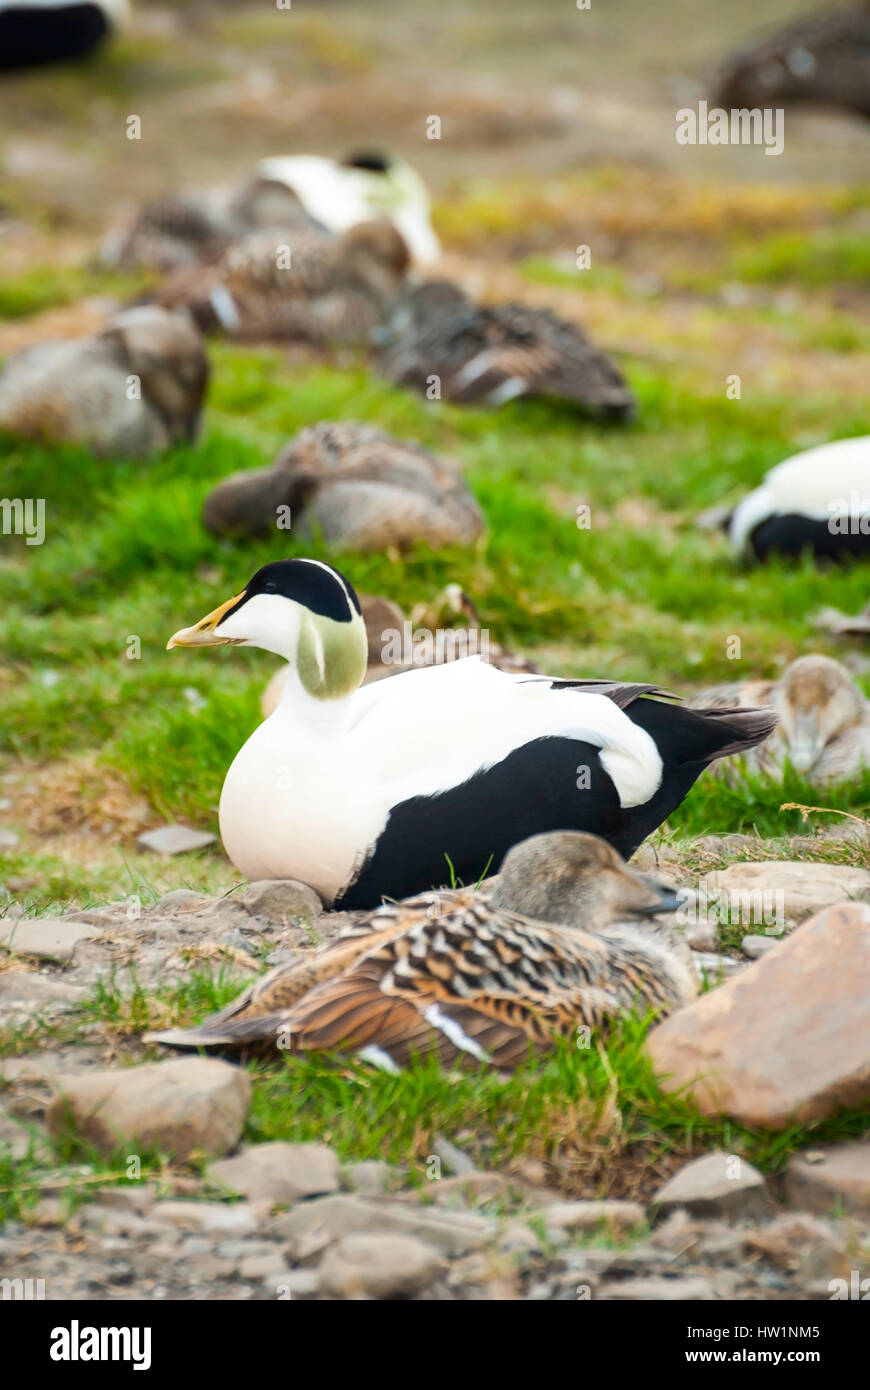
x=49 y=286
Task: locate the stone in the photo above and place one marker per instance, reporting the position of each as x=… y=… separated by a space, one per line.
x=262 y=1266
x=659 y=1290
x=48 y=938
x=183 y=897
x=211 y=1218
x=138 y=1197
x=453 y=1159
x=473 y=1187
x=800 y=1244
x=841 y=1180
x=369 y=1177
x=380 y=1265
x=453 y=1232
x=195 y=1104
x=278 y=1173
x=296 y=1283
x=757 y=946
x=25 y=992
x=8 y=839
x=589 y=1215
x=703 y=936
x=785 y=1041
x=174 y=839
x=718 y=1184
x=805 y=887
x=279 y=899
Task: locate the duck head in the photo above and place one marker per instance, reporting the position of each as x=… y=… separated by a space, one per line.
x=817 y=701
x=302 y=610
x=578 y=880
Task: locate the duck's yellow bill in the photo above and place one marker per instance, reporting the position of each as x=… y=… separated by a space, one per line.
x=203 y=634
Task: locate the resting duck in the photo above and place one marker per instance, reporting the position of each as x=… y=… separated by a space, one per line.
x=386 y=790
x=823 y=58
x=466 y=976
x=33 y=32
x=78 y=391
x=311 y=287
x=496 y=353
x=824 y=728
x=359 y=487
x=339 y=193
x=817 y=501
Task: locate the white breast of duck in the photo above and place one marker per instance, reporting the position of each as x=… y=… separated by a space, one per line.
x=391 y=789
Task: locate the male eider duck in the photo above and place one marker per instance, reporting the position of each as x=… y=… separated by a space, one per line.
x=339 y=193
x=390 y=789
x=35 y=32
x=466 y=976
x=817 y=501
x=824 y=725
x=490 y=354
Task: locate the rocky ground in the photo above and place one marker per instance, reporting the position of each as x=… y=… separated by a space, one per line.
x=785 y=1027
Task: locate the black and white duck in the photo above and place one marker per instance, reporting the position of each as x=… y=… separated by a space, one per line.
x=391 y=789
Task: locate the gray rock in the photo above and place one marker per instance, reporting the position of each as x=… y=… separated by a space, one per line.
x=211 y=1218
x=296 y=1283
x=48 y=938
x=183 y=897
x=8 y=839
x=588 y=1216
x=23 y=993
x=840 y=1180
x=262 y=1266
x=180 y=1107
x=369 y=1177
x=718 y=1184
x=174 y=839
x=661 y=1290
x=453 y=1233
x=454 y=1160
x=757 y=946
x=281 y=899
x=804 y=887
x=279 y=1173
x=138 y=1196
x=379 y=1265
x=703 y=936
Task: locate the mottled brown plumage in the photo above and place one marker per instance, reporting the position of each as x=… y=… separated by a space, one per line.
x=132 y=389
x=462 y=975
x=824 y=727
x=821 y=58
x=356 y=485
x=305 y=286
x=495 y=353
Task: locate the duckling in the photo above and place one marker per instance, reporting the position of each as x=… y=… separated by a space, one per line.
x=132 y=389
x=34 y=32
x=820 y=58
x=471 y=977
x=824 y=729
x=817 y=501
x=493 y=354
x=371 y=792
x=356 y=485
x=363 y=185
x=311 y=288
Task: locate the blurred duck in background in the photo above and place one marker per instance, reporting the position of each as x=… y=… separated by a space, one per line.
x=823 y=730
x=131 y=390
x=496 y=353
x=823 y=59
x=34 y=32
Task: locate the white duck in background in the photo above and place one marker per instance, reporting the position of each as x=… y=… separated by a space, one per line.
x=340 y=193
x=397 y=787
x=817 y=501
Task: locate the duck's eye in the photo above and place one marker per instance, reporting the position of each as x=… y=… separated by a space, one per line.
x=270 y=587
